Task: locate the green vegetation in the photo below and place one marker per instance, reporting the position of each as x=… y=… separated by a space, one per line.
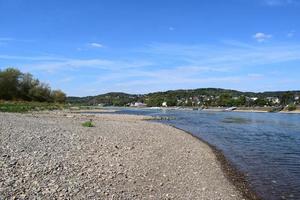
x=287 y=98
x=88 y=124
x=204 y=97
x=291 y=107
x=28 y=106
x=16 y=86
x=109 y=99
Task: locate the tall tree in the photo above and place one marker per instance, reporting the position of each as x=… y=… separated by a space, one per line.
x=15 y=85
x=58 y=96
x=9 y=84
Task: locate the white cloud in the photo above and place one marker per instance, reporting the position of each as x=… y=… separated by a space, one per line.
x=70 y=64
x=95 y=45
x=261 y=37
x=162 y=66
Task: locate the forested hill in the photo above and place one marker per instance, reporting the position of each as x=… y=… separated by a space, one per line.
x=174 y=97
x=112 y=98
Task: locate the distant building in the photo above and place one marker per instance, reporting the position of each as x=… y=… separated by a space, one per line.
x=254 y=98
x=274 y=100
x=164 y=104
x=138 y=104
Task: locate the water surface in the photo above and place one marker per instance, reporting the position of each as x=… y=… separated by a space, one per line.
x=264 y=146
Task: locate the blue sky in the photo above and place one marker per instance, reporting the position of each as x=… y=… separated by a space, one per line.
x=140 y=46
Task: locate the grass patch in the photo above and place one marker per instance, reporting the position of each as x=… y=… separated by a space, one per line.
x=88 y=124
x=21 y=107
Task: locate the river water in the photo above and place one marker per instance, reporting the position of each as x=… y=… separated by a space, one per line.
x=264 y=146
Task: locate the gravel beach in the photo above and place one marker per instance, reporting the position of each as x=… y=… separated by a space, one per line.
x=52 y=156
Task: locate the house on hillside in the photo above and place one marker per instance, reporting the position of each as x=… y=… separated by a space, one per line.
x=138 y=104
x=164 y=104
x=274 y=100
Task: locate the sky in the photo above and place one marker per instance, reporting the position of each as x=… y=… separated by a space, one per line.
x=140 y=46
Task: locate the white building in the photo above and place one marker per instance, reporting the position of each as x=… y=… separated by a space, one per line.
x=138 y=104
x=164 y=104
x=274 y=100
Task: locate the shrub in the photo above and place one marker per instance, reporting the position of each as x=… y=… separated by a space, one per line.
x=88 y=124
x=28 y=106
x=291 y=107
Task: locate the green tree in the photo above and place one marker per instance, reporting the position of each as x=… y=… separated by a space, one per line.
x=9 y=84
x=15 y=85
x=225 y=100
x=171 y=101
x=41 y=92
x=27 y=82
x=241 y=101
x=287 y=98
x=292 y=107
x=261 y=102
x=58 y=96
x=155 y=101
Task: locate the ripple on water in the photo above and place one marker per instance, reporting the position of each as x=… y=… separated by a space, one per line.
x=265 y=146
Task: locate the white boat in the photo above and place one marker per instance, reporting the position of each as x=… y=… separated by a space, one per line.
x=230 y=109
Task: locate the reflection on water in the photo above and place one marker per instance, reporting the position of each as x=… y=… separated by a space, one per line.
x=265 y=146
x=237 y=120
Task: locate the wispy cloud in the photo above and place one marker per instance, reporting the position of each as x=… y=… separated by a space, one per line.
x=291 y=34
x=31 y=58
x=6 y=39
x=70 y=64
x=279 y=2
x=171 y=28
x=95 y=45
x=220 y=56
x=11 y=39
x=261 y=37
x=160 y=66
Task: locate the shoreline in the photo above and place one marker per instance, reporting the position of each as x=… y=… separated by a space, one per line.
x=122 y=157
x=191 y=109
x=235 y=176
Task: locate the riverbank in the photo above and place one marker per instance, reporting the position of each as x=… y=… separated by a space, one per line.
x=238 y=109
x=50 y=155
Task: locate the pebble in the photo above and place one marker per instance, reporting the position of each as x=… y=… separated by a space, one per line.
x=51 y=156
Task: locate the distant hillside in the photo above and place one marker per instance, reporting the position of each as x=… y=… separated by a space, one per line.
x=212 y=96
x=112 y=98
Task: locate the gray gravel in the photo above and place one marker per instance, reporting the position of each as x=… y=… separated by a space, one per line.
x=51 y=156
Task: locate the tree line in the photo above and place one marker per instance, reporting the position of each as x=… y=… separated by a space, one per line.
x=198 y=97
x=15 y=85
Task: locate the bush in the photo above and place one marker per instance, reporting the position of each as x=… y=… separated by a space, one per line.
x=291 y=107
x=28 y=106
x=88 y=124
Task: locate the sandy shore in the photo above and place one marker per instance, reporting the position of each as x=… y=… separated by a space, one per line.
x=51 y=156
